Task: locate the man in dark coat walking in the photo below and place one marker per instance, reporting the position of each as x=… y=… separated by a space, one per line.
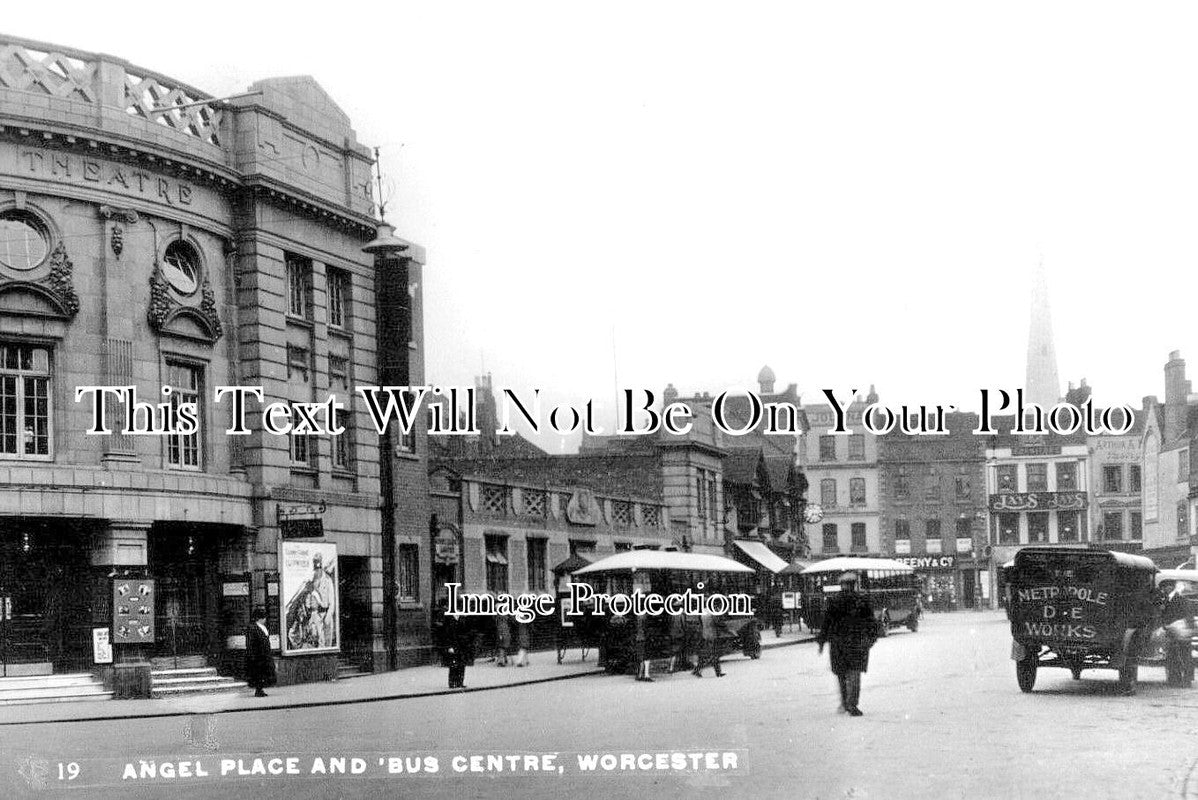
x=850 y=627
x=259 y=666
x=455 y=639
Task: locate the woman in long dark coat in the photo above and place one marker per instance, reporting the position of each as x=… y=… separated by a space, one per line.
x=259 y=666
x=849 y=626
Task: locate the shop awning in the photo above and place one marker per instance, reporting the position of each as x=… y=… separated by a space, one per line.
x=762 y=555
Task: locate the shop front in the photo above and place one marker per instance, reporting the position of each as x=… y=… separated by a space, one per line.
x=949 y=582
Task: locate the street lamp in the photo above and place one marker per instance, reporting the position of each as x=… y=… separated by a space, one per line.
x=393 y=319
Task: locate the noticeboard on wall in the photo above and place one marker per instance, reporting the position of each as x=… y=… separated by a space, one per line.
x=133 y=611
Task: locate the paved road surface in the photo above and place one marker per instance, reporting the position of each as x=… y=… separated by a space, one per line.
x=943 y=718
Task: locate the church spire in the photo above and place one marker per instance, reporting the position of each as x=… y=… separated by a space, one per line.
x=1042 y=385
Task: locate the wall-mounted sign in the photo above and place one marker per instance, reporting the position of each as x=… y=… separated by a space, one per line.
x=301 y=522
x=1038 y=501
x=582 y=508
x=235 y=589
x=101 y=646
x=788 y=600
x=132 y=610
x=929 y=562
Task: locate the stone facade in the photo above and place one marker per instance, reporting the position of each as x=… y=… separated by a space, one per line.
x=933 y=510
x=155 y=237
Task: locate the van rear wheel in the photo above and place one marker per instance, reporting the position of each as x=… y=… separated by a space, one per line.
x=1025 y=673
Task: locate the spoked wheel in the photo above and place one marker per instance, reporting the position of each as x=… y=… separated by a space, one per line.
x=1025 y=673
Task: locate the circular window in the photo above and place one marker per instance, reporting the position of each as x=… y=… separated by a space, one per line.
x=24 y=240
x=180 y=268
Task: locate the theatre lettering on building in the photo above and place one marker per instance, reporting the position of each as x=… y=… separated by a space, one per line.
x=151 y=236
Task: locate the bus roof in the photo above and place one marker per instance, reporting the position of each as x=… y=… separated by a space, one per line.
x=857 y=564
x=634 y=560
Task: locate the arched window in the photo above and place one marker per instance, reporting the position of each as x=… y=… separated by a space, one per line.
x=181 y=268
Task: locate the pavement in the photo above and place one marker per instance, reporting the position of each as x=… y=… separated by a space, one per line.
x=412 y=682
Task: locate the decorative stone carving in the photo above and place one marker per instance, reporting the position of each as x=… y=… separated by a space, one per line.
x=116 y=239
x=59 y=280
x=164 y=308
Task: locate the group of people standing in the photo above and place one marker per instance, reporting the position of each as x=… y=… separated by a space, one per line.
x=849 y=628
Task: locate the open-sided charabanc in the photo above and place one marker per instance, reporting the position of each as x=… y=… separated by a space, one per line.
x=891 y=586
x=1079 y=609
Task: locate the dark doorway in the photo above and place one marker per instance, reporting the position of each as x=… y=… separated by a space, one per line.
x=183 y=561
x=357 y=629
x=968 y=587
x=45 y=600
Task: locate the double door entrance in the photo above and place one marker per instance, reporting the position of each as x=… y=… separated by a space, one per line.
x=45 y=596
x=184 y=563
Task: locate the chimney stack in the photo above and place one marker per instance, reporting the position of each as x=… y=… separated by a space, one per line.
x=1176 y=389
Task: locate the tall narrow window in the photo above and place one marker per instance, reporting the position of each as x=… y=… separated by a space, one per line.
x=24 y=401
x=1112 y=478
x=857 y=447
x=831 y=544
x=537 y=581
x=902 y=536
x=1037 y=527
x=183 y=451
x=338 y=286
x=827 y=448
x=857 y=491
x=1112 y=526
x=409 y=573
x=932 y=539
x=339 y=385
x=496 y=563
x=857 y=532
x=299 y=286
x=827 y=493
x=1008 y=482
x=902 y=483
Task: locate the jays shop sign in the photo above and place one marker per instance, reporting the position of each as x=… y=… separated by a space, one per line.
x=928 y=562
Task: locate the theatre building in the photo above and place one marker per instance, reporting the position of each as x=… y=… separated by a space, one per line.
x=156 y=238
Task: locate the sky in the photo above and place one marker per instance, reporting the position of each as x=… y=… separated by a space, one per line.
x=636 y=194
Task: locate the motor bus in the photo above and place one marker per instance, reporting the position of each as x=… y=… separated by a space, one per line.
x=891 y=585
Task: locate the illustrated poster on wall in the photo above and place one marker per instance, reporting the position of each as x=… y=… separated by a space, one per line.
x=310 y=607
